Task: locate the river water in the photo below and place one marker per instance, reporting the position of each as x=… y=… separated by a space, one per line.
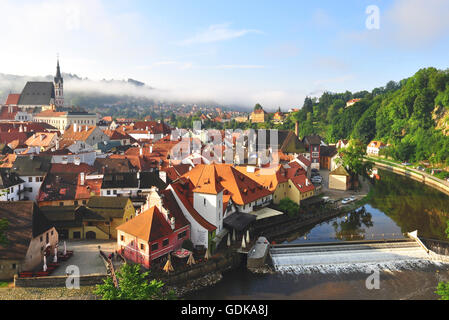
x=396 y=205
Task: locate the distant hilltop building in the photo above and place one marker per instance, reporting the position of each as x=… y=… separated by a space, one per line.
x=40 y=94
x=258 y=115
x=352 y=102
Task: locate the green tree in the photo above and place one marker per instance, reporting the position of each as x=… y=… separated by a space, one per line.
x=133 y=285
x=288 y=206
x=352 y=158
x=257 y=107
x=3 y=227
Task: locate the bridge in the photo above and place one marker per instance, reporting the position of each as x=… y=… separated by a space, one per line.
x=350 y=256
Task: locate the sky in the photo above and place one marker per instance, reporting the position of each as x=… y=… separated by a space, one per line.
x=233 y=52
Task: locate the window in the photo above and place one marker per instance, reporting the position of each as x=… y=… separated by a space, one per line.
x=41 y=239
x=76 y=235
x=84 y=201
x=51 y=232
x=30 y=179
x=154 y=247
x=122 y=238
x=115 y=192
x=182 y=234
x=165 y=243
x=37 y=179
x=61 y=204
x=108 y=192
x=142 y=246
x=204 y=202
x=76 y=202
x=13 y=266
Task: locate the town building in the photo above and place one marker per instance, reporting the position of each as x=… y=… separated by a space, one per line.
x=352 y=102
x=340 y=179
x=258 y=116
x=86 y=135
x=28 y=235
x=97 y=219
x=157 y=231
x=313 y=147
x=11 y=186
x=63 y=119
x=32 y=170
x=374 y=147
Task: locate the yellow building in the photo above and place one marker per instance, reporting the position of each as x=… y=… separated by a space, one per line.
x=258 y=116
x=300 y=188
x=284 y=183
x=97 y=220
x=339 y=179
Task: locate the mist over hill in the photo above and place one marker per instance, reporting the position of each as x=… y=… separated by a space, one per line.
x=90 y=94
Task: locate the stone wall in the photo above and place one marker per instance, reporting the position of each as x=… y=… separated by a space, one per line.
x=57 y=281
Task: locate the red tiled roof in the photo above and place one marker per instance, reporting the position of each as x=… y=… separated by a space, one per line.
x=13 y=98
x=302 y=183
x=243 y=190
x=150 y=225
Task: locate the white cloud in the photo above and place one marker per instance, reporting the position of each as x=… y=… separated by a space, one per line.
x=217 y=32
x=408 y=24
x=418 y=22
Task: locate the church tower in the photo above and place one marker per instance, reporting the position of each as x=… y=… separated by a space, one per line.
x=59 y=87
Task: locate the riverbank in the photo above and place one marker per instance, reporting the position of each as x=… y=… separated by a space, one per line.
x=281 y=226
x=427 y=179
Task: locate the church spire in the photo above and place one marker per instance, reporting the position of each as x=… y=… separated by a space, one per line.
x=58 y=77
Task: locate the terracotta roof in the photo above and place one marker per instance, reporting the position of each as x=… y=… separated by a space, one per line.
x=150 y=225
x=8 y=113
x=267 y=177
x=242 y=189
x=376 y=144
x=71 y=168
x=81 y=133
x=8 y=161
x=41 y=139
x=13 y=98
x=7 y=137
x=302 y=183
x=111 y=165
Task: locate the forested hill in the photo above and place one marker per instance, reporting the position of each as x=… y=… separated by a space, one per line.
x=412 y=115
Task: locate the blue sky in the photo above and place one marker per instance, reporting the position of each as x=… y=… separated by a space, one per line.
x=233 y=52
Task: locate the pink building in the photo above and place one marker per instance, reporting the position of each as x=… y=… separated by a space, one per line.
x=153 y=233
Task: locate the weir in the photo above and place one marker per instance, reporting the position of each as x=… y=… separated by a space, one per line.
x=350 y=256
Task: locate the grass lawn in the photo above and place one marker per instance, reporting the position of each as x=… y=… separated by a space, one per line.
x=3 y=284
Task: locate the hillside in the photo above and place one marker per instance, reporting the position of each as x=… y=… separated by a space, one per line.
x=412 y=115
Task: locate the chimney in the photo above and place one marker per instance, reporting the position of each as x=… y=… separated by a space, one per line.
x=297 y=128
x=151 y=149
x=82 y=178
x=74 y=127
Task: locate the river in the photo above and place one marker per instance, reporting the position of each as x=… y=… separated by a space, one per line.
x=396 y=205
